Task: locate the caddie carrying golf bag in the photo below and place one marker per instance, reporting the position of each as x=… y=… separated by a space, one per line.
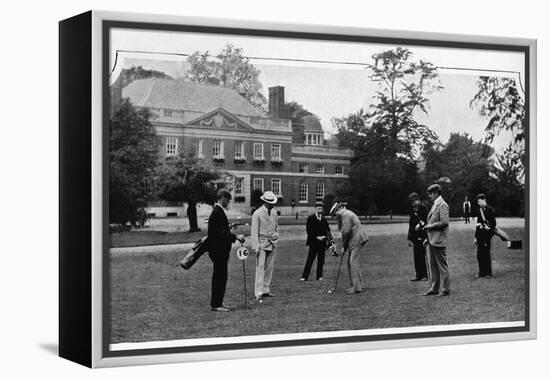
x=198 y=249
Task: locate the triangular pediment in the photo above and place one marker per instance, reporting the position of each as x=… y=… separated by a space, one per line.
x=220 y=119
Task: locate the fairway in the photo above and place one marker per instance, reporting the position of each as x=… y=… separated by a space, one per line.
x=152 y=299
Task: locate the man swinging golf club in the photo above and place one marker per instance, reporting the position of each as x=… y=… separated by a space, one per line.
x=354 y=241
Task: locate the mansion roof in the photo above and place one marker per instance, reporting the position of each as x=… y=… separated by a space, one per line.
x=187 y=96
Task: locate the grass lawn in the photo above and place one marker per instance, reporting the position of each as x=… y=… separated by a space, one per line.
x=153 y=299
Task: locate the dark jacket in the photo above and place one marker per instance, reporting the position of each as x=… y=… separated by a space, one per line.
x=485 y=228
x=220 y=237
x=315 y=228
x=417 y=216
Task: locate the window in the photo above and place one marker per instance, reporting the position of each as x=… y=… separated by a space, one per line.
x=239 y=182
x=197 y=148
x=320 y=191
x=339 y=170
x=259 y=184
x=319 y=168
x=171 y=146
x=303 y=192
x=168 y=113
x=275 y=152
x=258 y=151
x=302 y=167
x=217 y=149
x=314 y=139
x=239 y=149
x=276 y=186
x=339 y=188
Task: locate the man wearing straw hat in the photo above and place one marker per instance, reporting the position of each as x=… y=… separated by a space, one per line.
x=264 y=235
x=354 y=240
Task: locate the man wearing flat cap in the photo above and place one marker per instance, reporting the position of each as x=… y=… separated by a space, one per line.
x=485 y=229
x=220 y=240
x=354 y=241
x=318 y=238
x=264 y=235
x=437 y=228
x=417 y=235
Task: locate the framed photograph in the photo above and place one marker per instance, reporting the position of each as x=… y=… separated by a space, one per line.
x=233 y=189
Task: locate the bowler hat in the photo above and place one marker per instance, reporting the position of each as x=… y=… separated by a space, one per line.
x=269 y=197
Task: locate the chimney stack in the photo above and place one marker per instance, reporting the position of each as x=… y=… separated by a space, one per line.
x=276 y=101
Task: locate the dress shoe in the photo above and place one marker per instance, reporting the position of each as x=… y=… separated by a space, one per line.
x=431 y=292
x=416 y=279
x=444 y=294
x=259 y=299
x=303 y=279
x=268 y=295
x=353 y=291
x=220 y=309
x=320 y=279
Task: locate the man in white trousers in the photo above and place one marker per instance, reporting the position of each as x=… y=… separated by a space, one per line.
x=264 y=235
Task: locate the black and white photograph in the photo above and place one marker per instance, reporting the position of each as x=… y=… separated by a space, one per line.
x=266 y=188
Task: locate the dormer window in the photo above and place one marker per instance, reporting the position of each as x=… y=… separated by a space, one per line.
x=314 y=139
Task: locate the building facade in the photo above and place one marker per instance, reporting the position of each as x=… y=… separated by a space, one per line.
x=254 y=150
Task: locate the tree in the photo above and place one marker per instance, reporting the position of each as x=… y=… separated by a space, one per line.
x=508 y=188
x=499 y=100
x=185 y=179
x=294 y=110
x=127 y=75
x=464 y=164
x=133 y=157
x=232 y=69
x=386 y=139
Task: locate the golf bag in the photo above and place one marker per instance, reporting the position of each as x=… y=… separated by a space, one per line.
x=198 y=249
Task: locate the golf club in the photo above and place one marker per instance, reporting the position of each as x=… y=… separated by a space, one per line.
x=337 y=274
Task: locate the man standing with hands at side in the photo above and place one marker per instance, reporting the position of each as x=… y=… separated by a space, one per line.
x=264 y=235
x=437 y=228
x=220 y=239
x=318 y=238
x=485 y=229
x=417 y=236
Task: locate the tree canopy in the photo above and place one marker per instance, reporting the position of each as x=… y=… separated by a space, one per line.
x=232 y=69
x=127 y=75
x=133 y=157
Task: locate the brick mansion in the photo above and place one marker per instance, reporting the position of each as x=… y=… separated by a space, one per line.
x=255 y=150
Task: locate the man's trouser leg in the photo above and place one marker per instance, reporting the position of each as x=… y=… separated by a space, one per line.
x=419 y=251
x=309 y=262
x=269 y=265
x=354 y=266
x=219 y=280
x=260 y=272
x=440 y=269
x=320 y=261
x=484 y=258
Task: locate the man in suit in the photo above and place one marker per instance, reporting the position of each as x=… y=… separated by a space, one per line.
x=485 y=229
x=417 y=236
x=354 y=240
x=318 y=238
x=265 y=235
x=437 y=228
x=220 y=239
x=466 y=209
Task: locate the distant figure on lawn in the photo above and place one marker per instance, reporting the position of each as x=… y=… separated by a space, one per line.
x=354 y=240
x=318 y=239
x=437 y=228
x=220 y=239
x=264 y=235
x=417 y=236
x=485 y=229
x=466 y=210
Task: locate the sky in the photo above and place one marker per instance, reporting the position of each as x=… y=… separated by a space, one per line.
x=329 y=88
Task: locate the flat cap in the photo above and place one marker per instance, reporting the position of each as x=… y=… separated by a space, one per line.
x=335 y=206
x=413 y=196
x=319 y=204
x=434 y=188
x=223 y=193
x=481 y=196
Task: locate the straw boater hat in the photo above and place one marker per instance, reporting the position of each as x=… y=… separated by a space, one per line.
x=269 y=197
x=335 y=207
